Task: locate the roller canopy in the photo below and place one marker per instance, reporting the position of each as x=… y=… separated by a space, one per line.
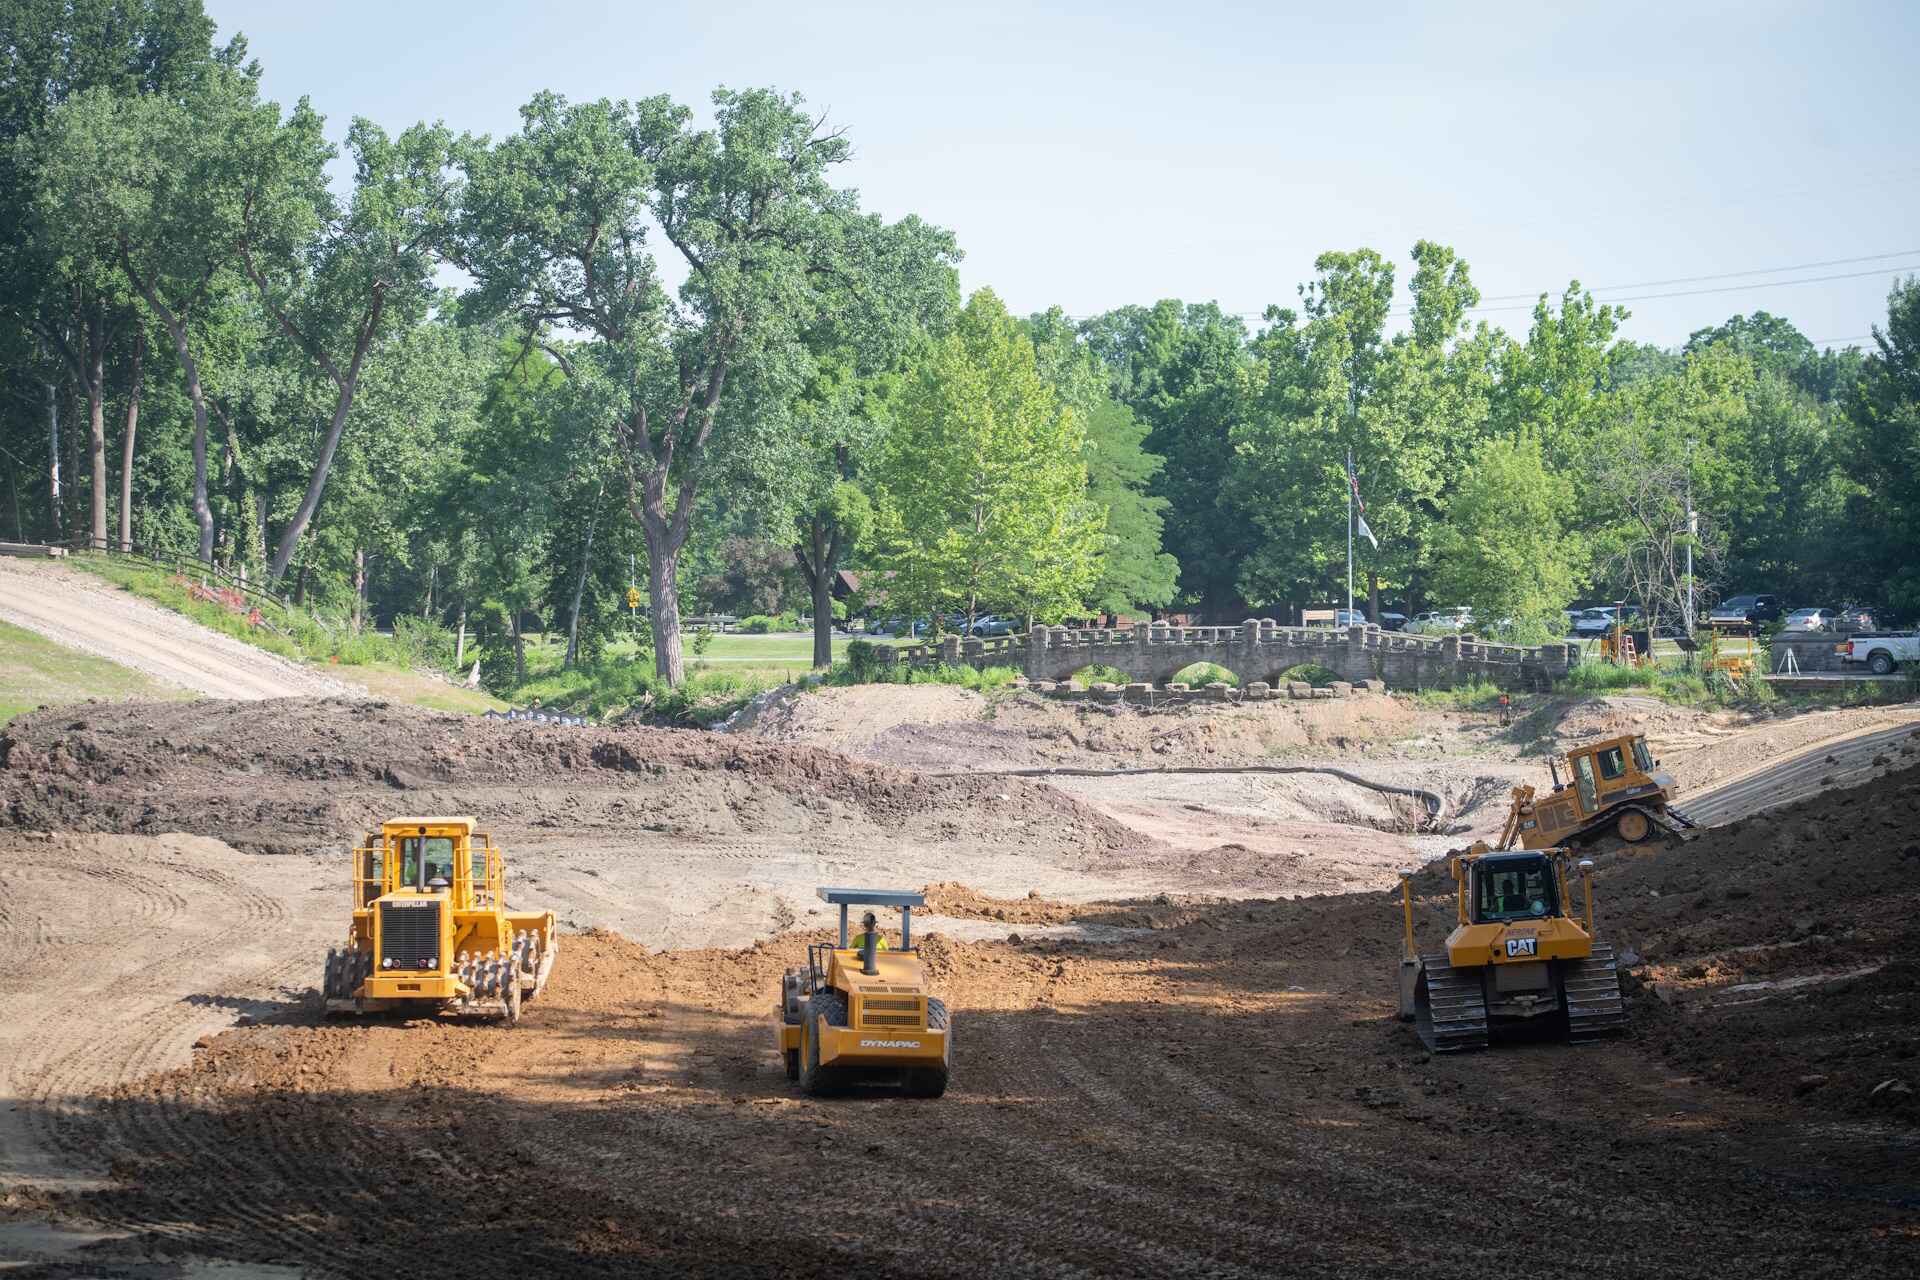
x=870 y=897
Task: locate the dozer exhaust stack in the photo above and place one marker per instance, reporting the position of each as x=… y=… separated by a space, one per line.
x=869 y=954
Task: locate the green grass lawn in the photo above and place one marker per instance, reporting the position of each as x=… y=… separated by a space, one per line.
x=36 y=672
x=403 y=684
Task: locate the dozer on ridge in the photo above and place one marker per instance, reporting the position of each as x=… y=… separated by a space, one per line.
x=430 y=928
x=864 y=1013
x=1617 y=789
x=1515 y=958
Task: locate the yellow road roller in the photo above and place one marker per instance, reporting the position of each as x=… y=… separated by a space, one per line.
x=860 y=1011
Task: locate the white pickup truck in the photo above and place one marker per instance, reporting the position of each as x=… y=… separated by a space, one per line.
x=1882 y=653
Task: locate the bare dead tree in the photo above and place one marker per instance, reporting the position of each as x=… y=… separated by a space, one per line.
x=1649 y=558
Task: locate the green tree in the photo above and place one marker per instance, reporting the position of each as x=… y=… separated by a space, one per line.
x=154 y=184
x=336 y=277
x=981 y=487
x=1182 y=370
x=1881 y=453
x=1507 y=549
x=1135 y=573
x=559 y=221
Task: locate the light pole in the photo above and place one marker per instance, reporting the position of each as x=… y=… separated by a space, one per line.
x=1693 y=530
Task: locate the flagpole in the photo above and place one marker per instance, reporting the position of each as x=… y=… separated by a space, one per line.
x=1349 y=535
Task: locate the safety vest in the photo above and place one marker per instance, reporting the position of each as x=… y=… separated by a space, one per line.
x=860 y=942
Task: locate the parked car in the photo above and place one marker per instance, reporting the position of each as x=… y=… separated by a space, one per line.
x=1442 y=622
x=910 y=627
x=1810 y=620
x=1746 y=611
x=1603 y=618
x=994 y=624
x=1860 y=617
x=1883 y=652
x=1393 y=621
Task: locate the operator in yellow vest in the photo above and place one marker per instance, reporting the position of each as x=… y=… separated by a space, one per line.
x=869 y=925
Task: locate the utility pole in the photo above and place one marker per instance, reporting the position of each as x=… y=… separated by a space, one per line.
x=1349 y=535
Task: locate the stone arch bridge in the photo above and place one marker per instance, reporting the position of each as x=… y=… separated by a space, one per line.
x=1257 y=649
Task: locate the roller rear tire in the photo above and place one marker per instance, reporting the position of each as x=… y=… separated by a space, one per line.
x=821 y=1082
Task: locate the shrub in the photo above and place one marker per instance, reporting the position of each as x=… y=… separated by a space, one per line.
x=1311 y=672
x=866 y=661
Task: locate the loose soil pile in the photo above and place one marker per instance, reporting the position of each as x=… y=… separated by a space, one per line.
x=298 y=775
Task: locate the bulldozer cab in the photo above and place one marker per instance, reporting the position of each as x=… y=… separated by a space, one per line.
x=1603 y=770
x=412 y=856
x=1520 y=886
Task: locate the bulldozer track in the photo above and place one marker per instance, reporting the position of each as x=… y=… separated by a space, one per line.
x=1454 y=1015
x=1594 y=1005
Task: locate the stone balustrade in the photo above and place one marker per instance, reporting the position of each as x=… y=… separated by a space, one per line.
x=1259 y=649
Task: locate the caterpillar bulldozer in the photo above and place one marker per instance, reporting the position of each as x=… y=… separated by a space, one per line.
x=1617 y=789
x=1516 y=958
x=431 y=929
x=861 y=1012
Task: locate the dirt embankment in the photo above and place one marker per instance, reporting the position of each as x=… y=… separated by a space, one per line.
x=87 y=613
x=1225 y=1094
x=303 y=774
x=935 y=727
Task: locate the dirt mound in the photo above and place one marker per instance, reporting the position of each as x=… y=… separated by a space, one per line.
x=298 y=774
x=933 y=727
x=1780 y=951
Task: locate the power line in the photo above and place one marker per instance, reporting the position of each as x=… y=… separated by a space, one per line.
x=1526 y=301
x=1725 y=288
x=1724 y=275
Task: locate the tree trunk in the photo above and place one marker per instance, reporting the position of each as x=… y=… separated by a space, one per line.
x=359 y=588
x=13 y=489
x=303 y=515
x=663 y=564
x=460 y=639
x=818 y=556
x=519 y=646
x=1373 y=596
x=197 y=396
x=53 y=459
x=97 y=429
x=433 y=574
x=580 y=588
x=127 y=438
x=823 y=619
x=300 y=585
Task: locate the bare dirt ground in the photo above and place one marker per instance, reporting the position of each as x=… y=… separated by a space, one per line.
x=1223 y=1094
x=1168 y=1061
x=86 y=613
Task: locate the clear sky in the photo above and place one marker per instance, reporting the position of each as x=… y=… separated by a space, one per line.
x=1091 y=155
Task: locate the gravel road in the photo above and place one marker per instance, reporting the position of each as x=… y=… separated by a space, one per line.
x=83 y=612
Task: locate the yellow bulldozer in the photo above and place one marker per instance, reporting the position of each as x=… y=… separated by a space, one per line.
x=1616 y=789
x=431 y=929
x=862 y=1013
x=1516 y=959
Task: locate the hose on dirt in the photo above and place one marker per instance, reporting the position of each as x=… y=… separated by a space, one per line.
x=1436 y=806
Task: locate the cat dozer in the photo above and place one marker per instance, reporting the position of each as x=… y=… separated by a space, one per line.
x=1516 y=960
x=860 y=1012
x=431 y=929
x=1617 y=790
